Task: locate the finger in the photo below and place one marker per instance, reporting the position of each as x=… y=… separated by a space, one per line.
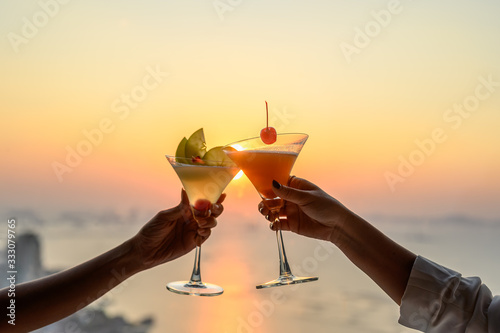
x=184 y=198
x=284 y=224
x=281 y=224
x=221 y=198
x=283 y=214
x=217 y=209
x=201 y=214
x=204 y=233
x=275 y=224
x=201 y=208
x=263 y=209
x=301 y=183
x=209 y=222
x=199 y=239
x=291 y=194
x=293 y=213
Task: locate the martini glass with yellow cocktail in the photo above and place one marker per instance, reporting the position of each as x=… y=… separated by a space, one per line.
x=204 y=176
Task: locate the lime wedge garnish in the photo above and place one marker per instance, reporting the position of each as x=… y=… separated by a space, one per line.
x=195 y=145
x=216 y=156
x=181 y=148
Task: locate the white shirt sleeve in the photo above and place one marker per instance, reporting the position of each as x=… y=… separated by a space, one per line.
x=440 y=300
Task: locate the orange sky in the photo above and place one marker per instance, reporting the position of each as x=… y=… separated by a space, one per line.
x=124 y=87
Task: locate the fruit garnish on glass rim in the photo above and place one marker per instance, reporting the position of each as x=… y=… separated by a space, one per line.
x=197 y=160
x=268 y=135
x=194 y=151
x=195 y=145
x=181 y=148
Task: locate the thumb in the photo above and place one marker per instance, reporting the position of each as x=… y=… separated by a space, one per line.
x=296 y=196
x=184 y=198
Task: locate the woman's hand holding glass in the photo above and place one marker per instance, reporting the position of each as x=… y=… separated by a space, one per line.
x=308 y=211
x=174 y=232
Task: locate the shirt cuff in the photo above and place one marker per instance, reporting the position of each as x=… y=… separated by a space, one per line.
x=438 y=299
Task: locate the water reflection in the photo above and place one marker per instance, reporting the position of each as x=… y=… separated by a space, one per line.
x=241 y=254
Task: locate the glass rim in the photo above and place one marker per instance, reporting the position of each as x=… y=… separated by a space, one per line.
x=258 y=137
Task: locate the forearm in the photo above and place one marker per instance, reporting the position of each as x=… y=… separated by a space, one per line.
x=46 y=300
x=387 y=263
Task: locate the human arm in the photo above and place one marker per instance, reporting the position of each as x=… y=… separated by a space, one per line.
x=313 y=213
x=432 y=298
x=167 y=236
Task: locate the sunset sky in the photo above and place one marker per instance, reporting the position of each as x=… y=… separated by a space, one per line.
x=401 y=99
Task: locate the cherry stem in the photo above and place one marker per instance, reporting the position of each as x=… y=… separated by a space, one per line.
x=267 y=116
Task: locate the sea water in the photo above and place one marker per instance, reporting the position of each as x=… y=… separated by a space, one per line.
x=242 y=253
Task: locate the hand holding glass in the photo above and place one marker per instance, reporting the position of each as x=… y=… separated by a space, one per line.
x=201 y=181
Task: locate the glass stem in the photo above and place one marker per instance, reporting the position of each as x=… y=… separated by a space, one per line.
x=284 y=267
x=196 y=275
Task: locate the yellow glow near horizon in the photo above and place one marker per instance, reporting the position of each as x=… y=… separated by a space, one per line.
x=122 y=92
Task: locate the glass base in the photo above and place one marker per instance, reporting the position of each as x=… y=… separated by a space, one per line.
x=286 y=280
x=194 y=288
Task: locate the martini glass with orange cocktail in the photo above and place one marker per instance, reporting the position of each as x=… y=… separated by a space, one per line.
x=264 y=159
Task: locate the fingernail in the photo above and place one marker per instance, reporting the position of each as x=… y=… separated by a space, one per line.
x=276 y=184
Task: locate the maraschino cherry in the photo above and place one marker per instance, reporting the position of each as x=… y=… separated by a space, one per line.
x=197 y=160
x=268 y=134
x=202 y=205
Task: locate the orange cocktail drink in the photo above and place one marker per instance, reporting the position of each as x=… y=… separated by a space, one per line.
x=264 y=161
x=262 y=167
